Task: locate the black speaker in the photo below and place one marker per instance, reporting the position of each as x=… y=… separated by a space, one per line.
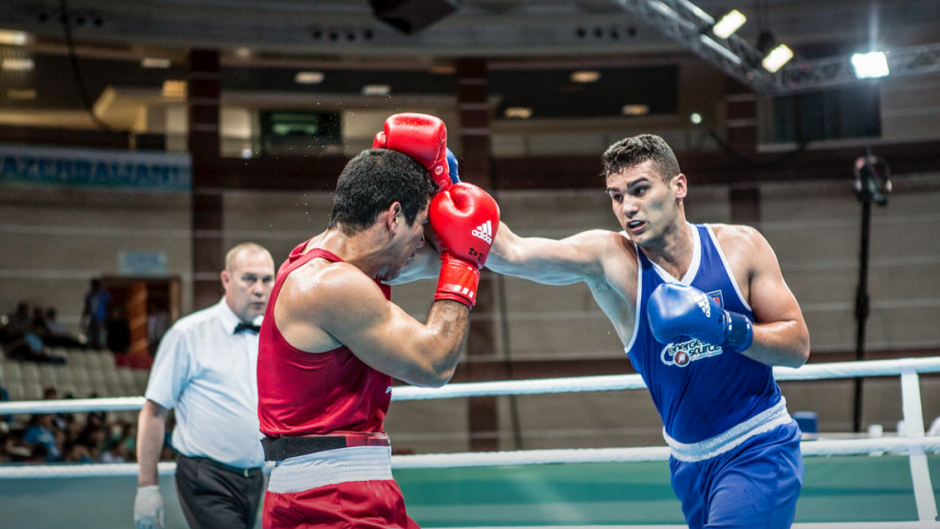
x=409 y=16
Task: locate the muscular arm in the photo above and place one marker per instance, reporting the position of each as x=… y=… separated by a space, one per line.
x=151 y=427
x=780 y=333
x=548 y=261
x=351 y=308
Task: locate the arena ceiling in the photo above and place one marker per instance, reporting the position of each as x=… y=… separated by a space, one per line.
x=271 y=40
x=496 y=28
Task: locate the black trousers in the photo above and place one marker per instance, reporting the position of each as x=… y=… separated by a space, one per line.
x=217 y=496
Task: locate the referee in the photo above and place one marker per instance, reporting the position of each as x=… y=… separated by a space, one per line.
x=205 y=369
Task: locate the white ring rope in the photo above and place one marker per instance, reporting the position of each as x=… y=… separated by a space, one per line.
x=869 y=368
x=897 y=445
x=891 y=445
x=914 y=445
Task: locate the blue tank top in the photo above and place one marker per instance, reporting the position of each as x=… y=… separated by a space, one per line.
x=699 y=390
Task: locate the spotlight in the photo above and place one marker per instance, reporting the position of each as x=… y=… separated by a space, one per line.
x=154 y=62
x=309 y=77
x=518 y=112
x=585 y=76
x=376 y=90
x=870 y=65
x=14 y=38
x=635 y=110
x=729 y=24
x=777 y=58
x=18 y=64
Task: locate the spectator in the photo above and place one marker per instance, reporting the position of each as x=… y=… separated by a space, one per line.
x=157 y=324
x=37 y=323
x=56 y=335
x=76 y=452
x=6 y=420
x=62 y=421
x=43 y=434
x=95 y=314
x=119 y=332
x=20 y=320
x=116 y=453
x=27 y=346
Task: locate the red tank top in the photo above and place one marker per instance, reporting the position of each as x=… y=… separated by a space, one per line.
x=301 y=393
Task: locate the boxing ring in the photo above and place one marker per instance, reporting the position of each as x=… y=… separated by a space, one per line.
x=845 y=485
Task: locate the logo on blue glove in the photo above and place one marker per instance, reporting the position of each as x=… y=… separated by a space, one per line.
x=705 y=305
x=684 y=353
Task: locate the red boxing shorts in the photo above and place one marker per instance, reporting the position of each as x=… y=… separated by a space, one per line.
x=349 y=505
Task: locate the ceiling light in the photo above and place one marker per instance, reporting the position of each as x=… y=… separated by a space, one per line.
x=247 y=153
x=154 y=62
x=870 y=65
x=308 y=78
x=635 y=110
x=376 y=90
x=20 y=64
x=243 y=53
x=14 y=38
x=777 y=58
x=518 y=112
x=21 y=94
x=585 y=76
x=729 y=24
x=174 y=89
x=695 y=118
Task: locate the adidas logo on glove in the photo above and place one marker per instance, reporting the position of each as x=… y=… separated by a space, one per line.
x=485 y=231
x=705 y=306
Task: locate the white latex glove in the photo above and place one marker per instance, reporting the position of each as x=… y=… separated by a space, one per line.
x=148 y=508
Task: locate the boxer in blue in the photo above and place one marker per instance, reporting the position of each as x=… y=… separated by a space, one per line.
x=703 y=312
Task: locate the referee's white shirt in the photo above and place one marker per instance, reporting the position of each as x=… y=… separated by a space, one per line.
x=208 y=374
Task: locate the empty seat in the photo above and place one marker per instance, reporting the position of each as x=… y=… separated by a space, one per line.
x=126 y=376
x=61 y=375
x=32 y=391
x=78 y=359
x=106 y=359
x=14 y=389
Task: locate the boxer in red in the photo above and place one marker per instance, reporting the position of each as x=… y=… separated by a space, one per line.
x=332 y=341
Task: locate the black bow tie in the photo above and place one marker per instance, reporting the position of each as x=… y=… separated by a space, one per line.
x=242 y=326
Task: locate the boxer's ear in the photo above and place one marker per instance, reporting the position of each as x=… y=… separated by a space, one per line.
x=680 y=186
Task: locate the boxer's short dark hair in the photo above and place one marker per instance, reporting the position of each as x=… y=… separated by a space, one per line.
x=635 y=150
x=374 y=180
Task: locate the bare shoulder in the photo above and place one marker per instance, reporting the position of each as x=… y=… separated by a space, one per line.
x=327 y=291
x=745 y=247
x=617 y=256
x=739 y=238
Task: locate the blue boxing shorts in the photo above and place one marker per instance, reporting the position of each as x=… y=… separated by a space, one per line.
x=754 y=485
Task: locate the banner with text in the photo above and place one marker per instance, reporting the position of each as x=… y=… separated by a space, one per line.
x=146 y=171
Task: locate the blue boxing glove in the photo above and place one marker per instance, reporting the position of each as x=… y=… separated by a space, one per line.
x=452 y=167
x=678 y=312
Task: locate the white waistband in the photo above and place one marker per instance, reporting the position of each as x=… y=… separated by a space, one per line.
x=764 y=421
x=309 y=471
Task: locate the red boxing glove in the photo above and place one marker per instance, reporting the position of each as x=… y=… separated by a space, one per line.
x=464 y=218
x=421 y=136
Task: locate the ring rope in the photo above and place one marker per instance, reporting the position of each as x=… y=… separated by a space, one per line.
x=841 y=447
x=915 y=444
x=834 y=370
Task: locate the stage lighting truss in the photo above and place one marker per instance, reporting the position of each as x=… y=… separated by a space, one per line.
x=688 y=25
x=835 y=71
